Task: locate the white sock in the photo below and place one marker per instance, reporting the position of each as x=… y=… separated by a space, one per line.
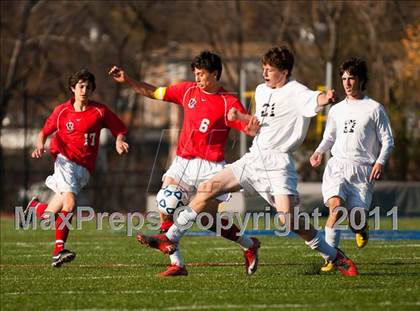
x=245 y=242
x=176 y=258
x=332 y=236
x=181 y=225
x=324 y=249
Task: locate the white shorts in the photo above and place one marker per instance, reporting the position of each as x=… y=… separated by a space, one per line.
x=68 y=176
x=349 y=181
x=268 y=175
x=190 y=173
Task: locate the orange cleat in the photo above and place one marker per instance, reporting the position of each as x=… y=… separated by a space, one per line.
x=159 y=242
x=174 y=270
x=344 y=264
x=251 y=257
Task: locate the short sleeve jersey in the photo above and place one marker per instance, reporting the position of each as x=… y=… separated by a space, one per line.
x=77 y=133
x=205 y=128
x=284 y=114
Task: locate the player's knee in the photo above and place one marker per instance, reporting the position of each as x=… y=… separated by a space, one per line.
x=335 y=202
x=69 y=202
x=336 y=213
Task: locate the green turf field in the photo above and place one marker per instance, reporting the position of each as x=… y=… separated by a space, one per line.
x=112 y=272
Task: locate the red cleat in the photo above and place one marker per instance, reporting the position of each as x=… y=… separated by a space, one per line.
x=251 y=257
x=344 y=264
x=159 y=242
x=174 y=270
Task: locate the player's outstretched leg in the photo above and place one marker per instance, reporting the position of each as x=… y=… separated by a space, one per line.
x=285 y=205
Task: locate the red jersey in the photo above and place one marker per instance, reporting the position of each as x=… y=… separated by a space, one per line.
x=77 y=133
x=206 y=128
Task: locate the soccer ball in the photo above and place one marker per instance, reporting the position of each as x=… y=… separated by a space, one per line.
x=170 y=198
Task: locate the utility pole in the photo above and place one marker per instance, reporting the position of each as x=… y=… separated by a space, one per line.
x=242 y=90
x=328 y=85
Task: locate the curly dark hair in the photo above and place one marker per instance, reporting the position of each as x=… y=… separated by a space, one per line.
x=208 y=61
x=279 y=57
x=82 y=75
x=356 y=67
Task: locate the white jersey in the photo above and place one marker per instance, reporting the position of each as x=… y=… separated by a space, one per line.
x=284 y=114
x=359 y=131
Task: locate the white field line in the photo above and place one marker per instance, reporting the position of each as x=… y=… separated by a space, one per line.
x=280 y=306
x=384 y=260
x=170 y=291
x=252 y=306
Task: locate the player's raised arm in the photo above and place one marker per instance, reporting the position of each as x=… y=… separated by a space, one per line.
x=143 y=88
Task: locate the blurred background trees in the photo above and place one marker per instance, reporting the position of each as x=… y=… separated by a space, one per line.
x=43 y=42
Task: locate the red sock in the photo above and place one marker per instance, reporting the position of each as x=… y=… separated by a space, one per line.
x=39 y=207
x=230 y=233
x=165 y=225
x=61 y=234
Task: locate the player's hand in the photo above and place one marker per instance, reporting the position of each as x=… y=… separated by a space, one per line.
x=331 y=96
x=233 y=114
x=315 y=159
x=38 y=152
x=118 y=74
x=376 y=172
x=121 y=146
x=253 y=126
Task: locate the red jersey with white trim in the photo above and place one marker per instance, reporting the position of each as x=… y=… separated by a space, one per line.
x=206 y=128
x=77 y=132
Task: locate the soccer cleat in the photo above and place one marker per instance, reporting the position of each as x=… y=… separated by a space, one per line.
x=362 y=238
x=327 y=267
x=344 y=264
x=174 y=270
x=62 y=257
x=159 y=242
x=251 y=257
x=32 y=204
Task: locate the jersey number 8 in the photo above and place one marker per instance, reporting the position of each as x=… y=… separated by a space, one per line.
x=204 y=126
